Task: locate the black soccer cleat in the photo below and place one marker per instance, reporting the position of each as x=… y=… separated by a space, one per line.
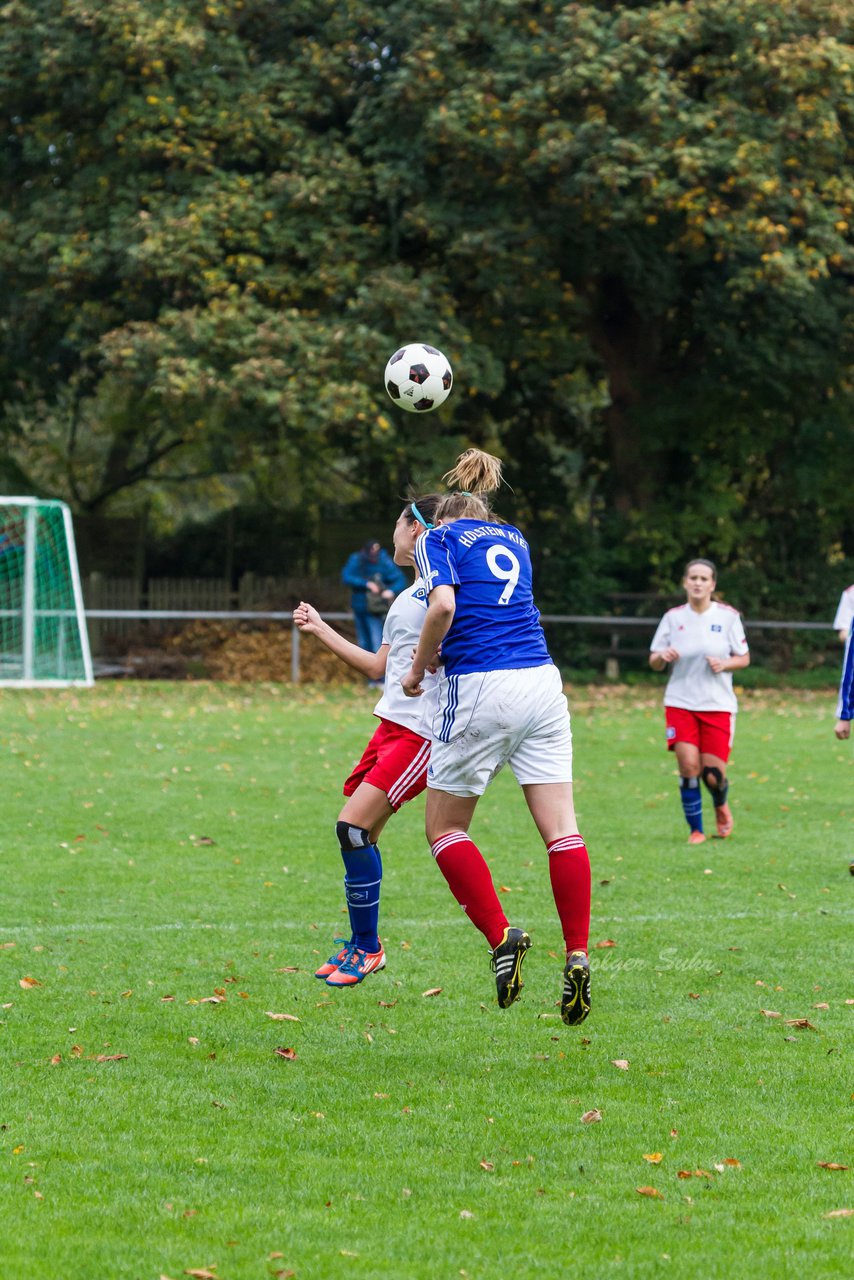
x=507 y=965
x=575 y=1001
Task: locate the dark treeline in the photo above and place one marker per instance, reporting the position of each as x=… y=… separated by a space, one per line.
x=628 y=226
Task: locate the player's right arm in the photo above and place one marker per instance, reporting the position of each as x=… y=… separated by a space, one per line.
x=659 y=658
x=661 y=650
x=371 y=665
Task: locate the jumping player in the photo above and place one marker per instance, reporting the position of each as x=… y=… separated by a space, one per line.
x=393 y=767
x=501 y=701
x=704 y=642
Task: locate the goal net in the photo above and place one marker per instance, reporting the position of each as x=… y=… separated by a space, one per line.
x=43 y=640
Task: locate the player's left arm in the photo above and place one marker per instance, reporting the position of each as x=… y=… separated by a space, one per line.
x=437 y=624
x=735 y=662
x=739 y=654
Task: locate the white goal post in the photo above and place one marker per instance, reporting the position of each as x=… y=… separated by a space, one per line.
x=43 y=638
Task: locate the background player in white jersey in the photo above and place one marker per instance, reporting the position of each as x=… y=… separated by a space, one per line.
x=501 y=701
x=393 y=767
x=704 y=642
x=844 y=614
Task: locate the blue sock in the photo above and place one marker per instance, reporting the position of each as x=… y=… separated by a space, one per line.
x=692 y=802
x=364 y=872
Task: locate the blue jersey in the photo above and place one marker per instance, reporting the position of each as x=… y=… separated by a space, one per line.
x=496 y=625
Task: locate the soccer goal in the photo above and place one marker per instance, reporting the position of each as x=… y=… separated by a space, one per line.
x=43 y=640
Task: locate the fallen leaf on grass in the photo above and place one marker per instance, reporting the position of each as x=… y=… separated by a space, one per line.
x=107 y=1057
x=7 y=946
x=652 y=1192
x=654 y=1157
x=282 y=1017
x=282 y=1052
x=56 y=1059
x=839 y=1213
x=591 y=1117
x=487 y=1165
x=606 y=942
x=212 y=1000
x=432 y=991
x=684 y=1173
x=386 y=1004
x=829 y=1164
x=729 y=1163
x=803 y=1024
x=288 y=968
x=769 y=1013
x=466 y=1213
x=823 y=1005
x=201 y=1273
x=77 y=1051
x=26 y=983
x=621 y=1063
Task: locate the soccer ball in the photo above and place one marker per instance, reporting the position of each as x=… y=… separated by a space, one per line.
x=418 y=378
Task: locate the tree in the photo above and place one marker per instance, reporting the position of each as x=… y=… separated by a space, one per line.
x=627 y=225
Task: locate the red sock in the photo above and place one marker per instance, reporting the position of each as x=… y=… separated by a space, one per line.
x=569 y=869
x=463 y=866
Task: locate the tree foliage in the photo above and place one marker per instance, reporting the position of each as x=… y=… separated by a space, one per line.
x=627 y=225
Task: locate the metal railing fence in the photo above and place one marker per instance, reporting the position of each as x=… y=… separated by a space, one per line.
x=613 y=626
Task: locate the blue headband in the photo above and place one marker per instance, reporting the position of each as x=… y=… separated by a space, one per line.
x=418 y=516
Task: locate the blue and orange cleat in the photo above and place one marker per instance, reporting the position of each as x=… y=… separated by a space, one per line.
x=334 y=960
x=356 y=966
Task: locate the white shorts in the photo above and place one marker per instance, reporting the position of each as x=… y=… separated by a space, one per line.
x=491 y=718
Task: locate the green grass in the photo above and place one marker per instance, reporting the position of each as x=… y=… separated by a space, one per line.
x=175 y=841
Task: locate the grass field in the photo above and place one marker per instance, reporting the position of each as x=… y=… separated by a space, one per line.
x=165 y=844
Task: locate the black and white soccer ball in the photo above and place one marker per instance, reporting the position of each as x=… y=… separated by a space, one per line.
x=418 y=378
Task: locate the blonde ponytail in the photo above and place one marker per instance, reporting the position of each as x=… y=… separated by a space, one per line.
x=476 y=474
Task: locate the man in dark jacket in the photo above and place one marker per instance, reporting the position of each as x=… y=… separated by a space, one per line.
x=374 y=580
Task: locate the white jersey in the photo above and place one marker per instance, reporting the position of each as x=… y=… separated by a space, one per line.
x=716 y=633
x=845 y=612
x=401 y=632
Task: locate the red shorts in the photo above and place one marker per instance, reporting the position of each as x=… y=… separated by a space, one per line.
x=395 y=761
x=710 y=731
